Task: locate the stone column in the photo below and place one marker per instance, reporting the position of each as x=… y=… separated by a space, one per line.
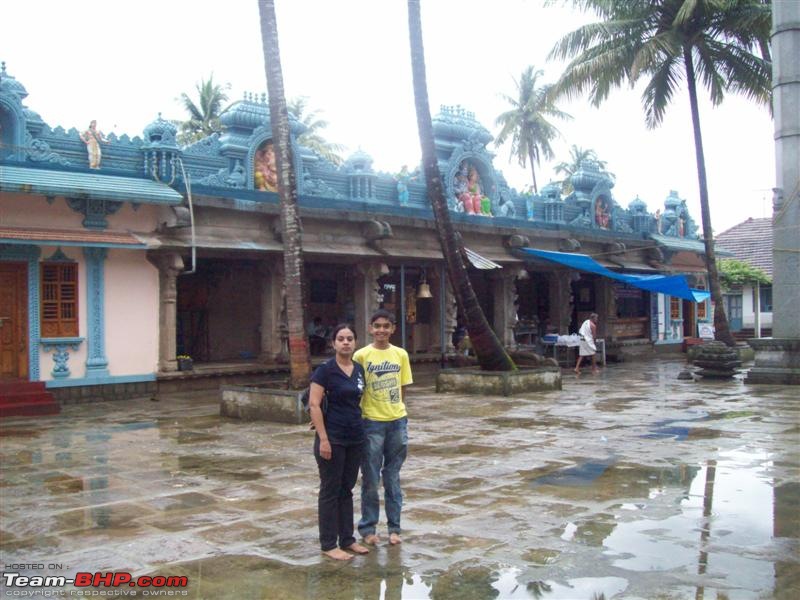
x=271 y=275
x=605 y=306
x=777 y=359
x=367 y=299
x=438 y=281
x=560 y=290
x=450 y=316
x=505 y=313
x=96 y=360
x=169 y=266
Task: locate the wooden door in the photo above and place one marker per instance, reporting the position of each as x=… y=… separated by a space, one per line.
x=13 y=320
x=734 y=309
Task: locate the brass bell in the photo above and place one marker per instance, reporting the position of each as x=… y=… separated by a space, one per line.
x=424 y=290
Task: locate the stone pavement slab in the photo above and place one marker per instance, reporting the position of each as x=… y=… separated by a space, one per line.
x=629 y=484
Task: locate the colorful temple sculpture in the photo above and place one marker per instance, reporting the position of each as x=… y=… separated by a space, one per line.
x=109 y=272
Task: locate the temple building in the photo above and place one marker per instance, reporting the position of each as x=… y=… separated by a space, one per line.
x=119 y=254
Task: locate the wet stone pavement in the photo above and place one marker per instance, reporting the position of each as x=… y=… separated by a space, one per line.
x=630 y=484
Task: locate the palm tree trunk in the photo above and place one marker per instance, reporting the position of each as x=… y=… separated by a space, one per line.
x=722 y=331
x=294 y=280
x=490 y=352
x=533 y=173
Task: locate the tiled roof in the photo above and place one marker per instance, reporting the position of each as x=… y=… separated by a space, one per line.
x=69 y=237
x=85 y=185
x=750 y=242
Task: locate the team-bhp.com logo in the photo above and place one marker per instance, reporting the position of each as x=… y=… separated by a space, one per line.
x=155 y=585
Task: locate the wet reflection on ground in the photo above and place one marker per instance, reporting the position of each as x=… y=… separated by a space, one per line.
x=631 y=484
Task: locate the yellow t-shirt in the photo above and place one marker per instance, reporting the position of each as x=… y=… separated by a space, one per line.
x=387 y=371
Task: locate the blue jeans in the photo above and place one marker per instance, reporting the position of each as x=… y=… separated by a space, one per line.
x=384 y=454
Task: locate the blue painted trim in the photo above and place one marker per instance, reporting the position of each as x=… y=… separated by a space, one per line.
x=46 y=242
x=60 y=348
x=30 y=254
x=106 y=380
x=59 y=256
x=96 y=361
x=63 y=341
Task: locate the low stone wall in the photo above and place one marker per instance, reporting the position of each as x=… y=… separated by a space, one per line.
x=777 y=360
x=499 y=383
x=262 y=404
x=82 y=394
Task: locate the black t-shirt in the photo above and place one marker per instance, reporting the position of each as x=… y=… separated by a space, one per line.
x=343 y=418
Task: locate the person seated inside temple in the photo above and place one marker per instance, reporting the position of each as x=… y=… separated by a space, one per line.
x=317 y=336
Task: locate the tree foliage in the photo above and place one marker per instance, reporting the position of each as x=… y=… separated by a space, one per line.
x=672 y=43
x=204 y=114
x=312 y=137
x=736 y=273
x=578 y=155
x=526 y=123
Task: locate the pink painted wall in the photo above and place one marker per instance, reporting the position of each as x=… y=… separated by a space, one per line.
x=23 y=210
x=131 y=314
x=131 y=294
x=77 y=358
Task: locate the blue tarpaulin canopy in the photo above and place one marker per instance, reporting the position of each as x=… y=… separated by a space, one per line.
x=672 y=285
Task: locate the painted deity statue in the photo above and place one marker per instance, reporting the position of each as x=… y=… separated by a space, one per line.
x=265 y=171
x=92 y=138
x=467 y=188
x=602 y=217
x=402 y=179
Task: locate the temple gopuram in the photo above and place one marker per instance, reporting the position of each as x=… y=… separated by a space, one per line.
x=120 y=254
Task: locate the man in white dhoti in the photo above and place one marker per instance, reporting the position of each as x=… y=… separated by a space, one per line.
x=588 y=331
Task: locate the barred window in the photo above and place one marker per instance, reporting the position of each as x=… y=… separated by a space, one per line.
x=674 y=308
x=59 y=299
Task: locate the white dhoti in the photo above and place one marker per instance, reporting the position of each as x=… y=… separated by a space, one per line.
x=587 y=346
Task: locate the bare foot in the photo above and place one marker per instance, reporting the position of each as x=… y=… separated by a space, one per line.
x=394 y=539
x=372 y=539
x=338 y=554
x=595 y=371
x=577 y=371
x=357 y=548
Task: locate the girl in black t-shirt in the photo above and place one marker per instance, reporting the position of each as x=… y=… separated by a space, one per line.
x=338 y=443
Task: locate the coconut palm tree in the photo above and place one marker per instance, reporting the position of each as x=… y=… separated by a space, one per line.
x=294 y=281
x=205 y=113
x=577 y=155
x=666 y=42
x=526 y=123
x=490 y=352
x=311 y=137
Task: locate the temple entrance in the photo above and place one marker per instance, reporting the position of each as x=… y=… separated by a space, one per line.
x=219 y=311
x=13 y=320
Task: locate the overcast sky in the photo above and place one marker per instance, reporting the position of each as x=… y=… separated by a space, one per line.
x=124 y=61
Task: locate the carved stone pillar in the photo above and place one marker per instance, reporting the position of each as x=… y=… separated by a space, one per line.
x=450 y=316
x=367 y=298
x=505 y=313
x=169 y=266
x=444 y=310
x=272 y=346
x=96 y=360
x=560 y=289
x=605 y=306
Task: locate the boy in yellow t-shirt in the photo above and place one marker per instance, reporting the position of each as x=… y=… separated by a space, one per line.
x=387 y=370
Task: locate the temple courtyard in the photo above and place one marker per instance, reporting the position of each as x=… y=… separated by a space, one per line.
x=627 y=484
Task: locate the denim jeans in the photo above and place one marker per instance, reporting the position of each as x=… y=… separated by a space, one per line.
x=384 y=453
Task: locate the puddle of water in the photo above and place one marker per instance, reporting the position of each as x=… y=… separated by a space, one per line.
x=728 y=507
x=580 y=475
